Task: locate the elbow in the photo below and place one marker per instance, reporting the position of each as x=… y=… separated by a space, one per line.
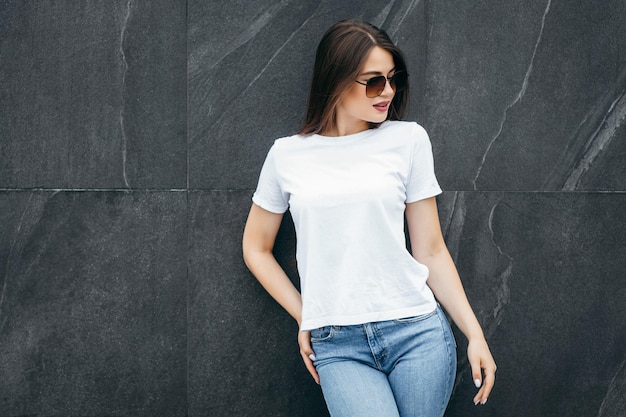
x=247 y=252
x=252 y=254
x=423 y=255
x=245 y=249
x=248 y=259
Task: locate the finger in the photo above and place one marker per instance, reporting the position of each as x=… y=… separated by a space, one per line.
x=488 y=383
x=310 y=367
x=308 y=356
x=477 y=376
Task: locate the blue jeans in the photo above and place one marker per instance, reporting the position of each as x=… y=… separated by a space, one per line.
x=395 y=368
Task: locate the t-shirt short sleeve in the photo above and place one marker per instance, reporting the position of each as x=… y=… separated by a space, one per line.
x=268 y=194
x=422 y=182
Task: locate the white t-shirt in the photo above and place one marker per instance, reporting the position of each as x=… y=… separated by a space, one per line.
x=347 y=198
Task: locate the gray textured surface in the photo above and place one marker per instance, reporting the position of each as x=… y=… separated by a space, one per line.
x=527 y=95
x=131 y=298
x=93 y=94
x=544 y=272
x=92 y=303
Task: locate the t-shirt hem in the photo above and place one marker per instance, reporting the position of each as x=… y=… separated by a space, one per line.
x=269 y=207
x=435 y=191
x=368 y=317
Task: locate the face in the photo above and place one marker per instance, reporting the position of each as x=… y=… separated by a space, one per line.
x=355 y=109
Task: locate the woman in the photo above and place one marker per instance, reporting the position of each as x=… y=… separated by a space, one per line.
x=371 y=329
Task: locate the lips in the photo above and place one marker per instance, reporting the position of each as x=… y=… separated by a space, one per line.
x=382 y=106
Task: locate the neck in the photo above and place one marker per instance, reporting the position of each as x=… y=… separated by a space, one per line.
x=343 y=129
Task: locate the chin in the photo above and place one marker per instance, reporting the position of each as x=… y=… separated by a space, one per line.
x=379 y=119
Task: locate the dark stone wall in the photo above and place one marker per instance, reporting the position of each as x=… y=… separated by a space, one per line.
x=131 y=137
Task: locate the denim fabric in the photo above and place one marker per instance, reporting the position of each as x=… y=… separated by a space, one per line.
x=395 y=368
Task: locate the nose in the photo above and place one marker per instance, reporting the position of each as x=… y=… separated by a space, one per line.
x=388 y=91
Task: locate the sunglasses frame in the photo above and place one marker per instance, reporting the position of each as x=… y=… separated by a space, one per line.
x=392 y=82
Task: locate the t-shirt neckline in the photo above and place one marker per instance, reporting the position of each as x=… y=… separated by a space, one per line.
x=345 y=138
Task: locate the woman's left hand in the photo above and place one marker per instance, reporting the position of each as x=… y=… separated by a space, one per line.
x=483 y=368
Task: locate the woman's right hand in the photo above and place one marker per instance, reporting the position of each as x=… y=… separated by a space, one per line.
x=304 y=340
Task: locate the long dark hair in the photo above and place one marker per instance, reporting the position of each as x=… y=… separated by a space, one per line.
x=338 y=61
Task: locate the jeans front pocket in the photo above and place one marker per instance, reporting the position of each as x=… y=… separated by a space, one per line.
x=322 y=333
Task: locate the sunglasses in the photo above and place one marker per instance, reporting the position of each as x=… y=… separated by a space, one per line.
x=376 y=85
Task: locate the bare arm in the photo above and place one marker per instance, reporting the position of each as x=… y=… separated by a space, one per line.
x=258 y=241
x=430 y=249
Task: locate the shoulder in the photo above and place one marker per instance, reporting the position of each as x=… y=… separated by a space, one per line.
x=403 y=126
x=286 y=144
x=288 y=141
x=411 y=131
x=285 y=141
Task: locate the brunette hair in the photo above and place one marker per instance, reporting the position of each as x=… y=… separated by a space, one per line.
x=338 y=61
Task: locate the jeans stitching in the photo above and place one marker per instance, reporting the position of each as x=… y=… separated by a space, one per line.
x=331 y=333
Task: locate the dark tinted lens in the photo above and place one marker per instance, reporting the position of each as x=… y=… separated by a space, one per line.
x=375 y=86
x=398 y=80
